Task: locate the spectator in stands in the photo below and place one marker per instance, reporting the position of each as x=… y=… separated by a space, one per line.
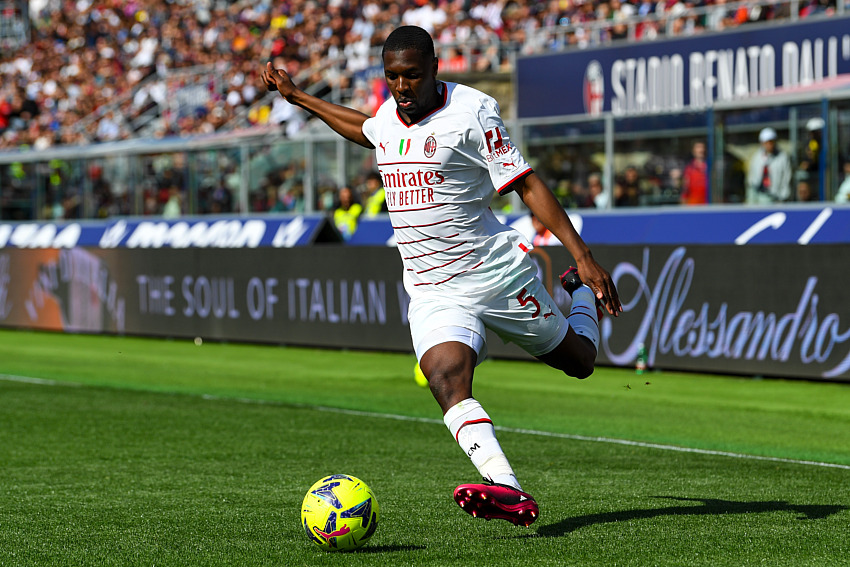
x=360 y=99
x=173 y=207
x=733 y=178
x=169 y=176
x=719 y=16
x=806 y=192
x=813 y=7
x=101 y=191
x=843 y=193
x=542 y=235
x=72 y=206
x=577 y=197
x=597 y=191
x=810 y=154
x=108 y=128
x=290 y=199
x=221 y=199
x=456 y=62
x=695 y=177
x=327 y=196
x=27 y=110
x=86 y=56
x=661 y=181
x=427 y=15
x=769 y=179
x=374 y=196
x=347 y=213
x=287 y=116
x=630 y=189
x=5 y=110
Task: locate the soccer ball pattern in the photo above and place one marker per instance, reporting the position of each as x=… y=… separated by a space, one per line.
x=339 y=513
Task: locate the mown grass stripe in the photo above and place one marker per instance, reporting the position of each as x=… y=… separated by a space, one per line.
x=538 y=433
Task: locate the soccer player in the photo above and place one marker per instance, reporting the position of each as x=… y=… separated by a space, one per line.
x=443 y=151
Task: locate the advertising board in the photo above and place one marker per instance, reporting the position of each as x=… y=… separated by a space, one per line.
x=686 y=74
x=778 y=310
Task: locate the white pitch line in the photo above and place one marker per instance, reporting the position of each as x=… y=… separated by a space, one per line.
x=29 y=380
x=396 y=417
x=674 y=448
x=610 y=440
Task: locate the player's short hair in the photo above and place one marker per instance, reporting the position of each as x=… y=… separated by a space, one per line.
x=410 y=37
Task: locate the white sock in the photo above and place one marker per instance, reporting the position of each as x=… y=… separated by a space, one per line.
x=582 y=317
x=473 y=430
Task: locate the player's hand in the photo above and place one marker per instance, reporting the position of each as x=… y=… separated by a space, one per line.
x=599 y=280
x=278 y=80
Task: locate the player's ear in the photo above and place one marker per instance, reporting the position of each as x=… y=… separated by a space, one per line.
x=435 y=65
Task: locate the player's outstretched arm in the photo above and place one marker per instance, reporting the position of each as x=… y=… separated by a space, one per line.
x=540 y=200
x=345 y=121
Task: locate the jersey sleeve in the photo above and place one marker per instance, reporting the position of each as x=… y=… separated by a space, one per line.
x=503 y=159
x=369 y=129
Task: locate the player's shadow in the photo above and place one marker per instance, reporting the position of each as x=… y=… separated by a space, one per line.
x=701 y=507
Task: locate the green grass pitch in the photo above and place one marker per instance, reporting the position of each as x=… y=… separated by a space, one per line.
x=126 y=451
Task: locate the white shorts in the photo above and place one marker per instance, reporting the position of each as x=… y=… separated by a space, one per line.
x=522 y=314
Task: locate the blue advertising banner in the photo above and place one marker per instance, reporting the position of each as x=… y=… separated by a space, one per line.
x=826 y=225
x=743 y=225
x=196 y=232
x=688 y=74
x=789 y=225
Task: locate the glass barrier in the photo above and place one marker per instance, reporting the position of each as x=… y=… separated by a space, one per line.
x=569 y=157
x=838 y=161
x=661 y=160
x=241 y=176
x=631 y=162
x=277 y=179
x=778 y=153
x=215 y=182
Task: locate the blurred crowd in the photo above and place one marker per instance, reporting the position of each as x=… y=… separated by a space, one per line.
x=100 y=71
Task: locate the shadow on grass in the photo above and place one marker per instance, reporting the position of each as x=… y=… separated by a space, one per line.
x=702 y=506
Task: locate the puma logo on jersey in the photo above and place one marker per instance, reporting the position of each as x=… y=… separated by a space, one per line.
x=509 y=164
x=383 y=147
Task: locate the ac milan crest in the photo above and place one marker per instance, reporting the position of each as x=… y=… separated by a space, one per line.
x=430 y=146
x=594 y=89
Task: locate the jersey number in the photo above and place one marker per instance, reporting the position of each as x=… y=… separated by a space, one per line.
x=526 y=299
x=493 y=144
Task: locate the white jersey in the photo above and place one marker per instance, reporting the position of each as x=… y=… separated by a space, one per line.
x=439 y=175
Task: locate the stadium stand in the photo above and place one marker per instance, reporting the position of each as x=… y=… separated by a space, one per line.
x=160 y=73
x=85 y=71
